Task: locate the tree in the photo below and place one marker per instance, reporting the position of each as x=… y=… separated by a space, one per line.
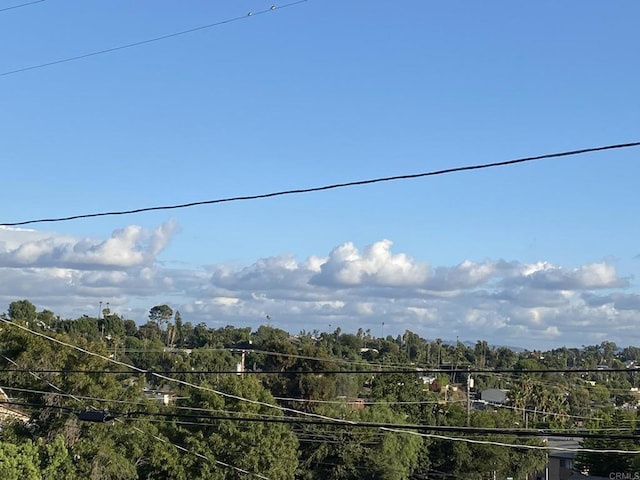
x=47 y=317
x=84 y=326
x=603 y=464
x=460 y=459
x=22 y=310
x=404 y=391
x=130 y=328
x=125 y=452
x=18 y=462
x=354 y=454
x=160 y=314
x=38 y=460
x=179 y=331
x=55 y=460
x=112 y=325
x=268 y=448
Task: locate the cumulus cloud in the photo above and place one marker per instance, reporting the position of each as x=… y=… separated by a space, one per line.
x=376 y=265
x=273 y=273
x=128 y=247
x=466 y=275
x=502 y=301
x=587 y=277
x=512 y=300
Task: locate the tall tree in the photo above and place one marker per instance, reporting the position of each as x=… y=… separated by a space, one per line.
x=22 y=310
x=160 y=314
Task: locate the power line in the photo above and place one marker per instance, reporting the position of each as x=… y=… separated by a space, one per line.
x=245 y=350
x=362 y=401
x=55 y=387
x=342 y=361
x=326 y=439
x=327 y=187
x=21 y=5
x=417 y=367
x=103 y=416
x=303 y=413
x=138 y=403
x=401 y=426
x=209 y=411
x=150 y=40
x=142 y=371
x=341 y=423
x=197 y=454
x=523 y=446
x=169 y=379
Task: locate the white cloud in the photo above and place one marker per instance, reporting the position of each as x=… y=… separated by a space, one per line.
x=273 y=273
x=504 y=302
x=587 y=277
x=552 y=331
x=128 y=247
x=225 y=301
x=346 y=267
x=466 y=275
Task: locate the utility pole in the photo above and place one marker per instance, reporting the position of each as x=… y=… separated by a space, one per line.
x=469 y=385
x=100 y=322
x=240 y=366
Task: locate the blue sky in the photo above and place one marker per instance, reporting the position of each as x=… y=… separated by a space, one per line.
x=538 y=255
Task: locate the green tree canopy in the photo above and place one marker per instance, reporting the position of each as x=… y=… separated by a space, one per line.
x=22 y=310
x=160 y=314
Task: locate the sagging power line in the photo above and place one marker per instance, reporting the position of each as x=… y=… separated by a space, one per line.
x=102 y=416
x=328 y=187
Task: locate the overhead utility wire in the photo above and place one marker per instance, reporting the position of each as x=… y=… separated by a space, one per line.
x=522 y=446
x=170 y=379
x=329 y=187
x=21 y=5
x=353 y=424
x=245 y=350
x=138 y=403
x=219 y=412
x=107 y=417
x=342 y=361
x=407 y=430
x=247 y=400
x=476 y=371
x=150 y=40
x=510 y=445
x=94 y=411
x=303 y=413
x=198 y=454
x=55 y=387
x=298 y=400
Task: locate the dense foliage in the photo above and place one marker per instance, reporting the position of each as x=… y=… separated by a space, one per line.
x=227 y=403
